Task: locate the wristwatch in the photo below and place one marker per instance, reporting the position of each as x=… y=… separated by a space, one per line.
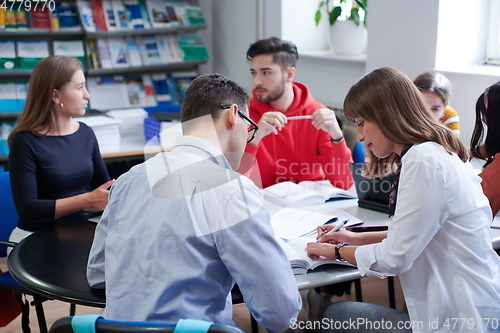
x=337 y=251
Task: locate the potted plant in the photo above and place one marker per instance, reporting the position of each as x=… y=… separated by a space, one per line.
x=348 y=34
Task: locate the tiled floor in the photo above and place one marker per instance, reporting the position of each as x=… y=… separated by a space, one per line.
x=374 y=291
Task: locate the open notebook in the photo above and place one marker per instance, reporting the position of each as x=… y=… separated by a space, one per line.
x=305 y=193
x=290 y=223
x=295 y=250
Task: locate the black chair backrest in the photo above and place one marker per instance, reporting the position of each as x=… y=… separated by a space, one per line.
x=63 y=325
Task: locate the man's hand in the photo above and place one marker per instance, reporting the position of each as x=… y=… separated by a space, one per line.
x=325 y=120
x=271 y=122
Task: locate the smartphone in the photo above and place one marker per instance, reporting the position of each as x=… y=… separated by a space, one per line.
x=367 y=228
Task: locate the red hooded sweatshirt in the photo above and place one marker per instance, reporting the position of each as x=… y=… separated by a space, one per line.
x=299 y=151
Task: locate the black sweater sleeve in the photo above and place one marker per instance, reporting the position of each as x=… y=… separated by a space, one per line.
x=23 y=178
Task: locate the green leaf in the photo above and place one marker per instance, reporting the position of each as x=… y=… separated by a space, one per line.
x=355 y=16
x=317 y=17
x=334 y=15
x=361 y=3
x=321 y=4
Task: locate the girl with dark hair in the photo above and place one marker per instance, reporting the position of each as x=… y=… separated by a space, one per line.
x=485 y=143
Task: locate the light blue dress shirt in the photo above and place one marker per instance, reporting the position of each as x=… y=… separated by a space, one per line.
x=179 y=230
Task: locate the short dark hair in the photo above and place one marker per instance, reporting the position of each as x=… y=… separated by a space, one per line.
x=284 y=52
x=206 y=93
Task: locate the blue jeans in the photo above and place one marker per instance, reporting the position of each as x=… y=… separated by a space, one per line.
x=347 y=317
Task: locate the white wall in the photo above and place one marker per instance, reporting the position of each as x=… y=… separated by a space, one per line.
x=298 y=24
x=402 y=35
x=233 y=30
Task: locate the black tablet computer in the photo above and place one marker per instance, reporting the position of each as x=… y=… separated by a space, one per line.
x=373 y=193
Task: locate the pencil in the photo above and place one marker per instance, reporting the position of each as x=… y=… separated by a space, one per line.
x=298 y=117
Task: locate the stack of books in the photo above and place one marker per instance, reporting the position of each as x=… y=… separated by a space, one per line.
x=107 y=132
x=131 y=120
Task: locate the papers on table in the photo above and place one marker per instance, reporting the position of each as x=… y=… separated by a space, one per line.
x=291 y=223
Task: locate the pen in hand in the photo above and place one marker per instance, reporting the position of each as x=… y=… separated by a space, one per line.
x=336 y=226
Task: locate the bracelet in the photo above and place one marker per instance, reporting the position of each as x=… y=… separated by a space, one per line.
x=337 y=251
x=337 y=140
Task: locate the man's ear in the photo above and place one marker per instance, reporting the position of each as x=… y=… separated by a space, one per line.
x=290 y=74
x=231 y=116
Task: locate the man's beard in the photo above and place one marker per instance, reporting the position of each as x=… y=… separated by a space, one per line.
x=273 y=95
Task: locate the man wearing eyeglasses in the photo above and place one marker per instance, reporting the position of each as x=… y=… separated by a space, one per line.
x=181 y=228
x=298 y=138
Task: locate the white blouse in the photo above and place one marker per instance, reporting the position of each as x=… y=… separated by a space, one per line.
x=439 y=243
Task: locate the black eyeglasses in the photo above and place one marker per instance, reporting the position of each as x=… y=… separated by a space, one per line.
x=253 y=126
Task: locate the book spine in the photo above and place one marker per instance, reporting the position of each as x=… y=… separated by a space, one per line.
x=10 y=20
x=109 y=15
x=40 y=19
x=134 y=17
x=149 y=90
x=22 y=19
x=92 y=52
x=103 y=53
x=100 y=21
x=118 y=52
x=86 y=15
x=120 y=15
x=2 y=19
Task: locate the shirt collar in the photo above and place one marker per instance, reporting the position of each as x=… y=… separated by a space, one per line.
x=210 y=151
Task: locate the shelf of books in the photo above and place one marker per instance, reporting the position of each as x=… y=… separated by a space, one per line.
x=144 y=53
x=174 y=66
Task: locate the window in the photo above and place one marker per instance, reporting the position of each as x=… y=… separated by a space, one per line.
x=493 y=40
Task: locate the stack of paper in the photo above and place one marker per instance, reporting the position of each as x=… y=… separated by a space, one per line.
x=290 y=223
x=107 y=131
x=131 y=120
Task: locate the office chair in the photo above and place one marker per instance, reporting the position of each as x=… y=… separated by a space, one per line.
x=359 y=153
x=97 y=324
x=8 y=221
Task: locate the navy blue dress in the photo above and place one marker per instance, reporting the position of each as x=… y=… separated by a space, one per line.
x=46 y=168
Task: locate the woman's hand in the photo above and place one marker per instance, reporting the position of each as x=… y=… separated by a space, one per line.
x=98 y=198
x=336 y=237
x=317 y=250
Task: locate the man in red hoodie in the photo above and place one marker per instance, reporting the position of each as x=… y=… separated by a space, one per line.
x=298 y=138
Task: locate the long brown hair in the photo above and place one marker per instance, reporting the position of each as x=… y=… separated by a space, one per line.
x=53 y=72
x=389 y=98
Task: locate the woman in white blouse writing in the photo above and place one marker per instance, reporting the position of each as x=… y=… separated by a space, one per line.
x=439 y=242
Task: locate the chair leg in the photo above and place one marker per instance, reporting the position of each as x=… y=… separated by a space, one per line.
x=392 y=295
x=72 y=309
x=40 y=314
x=357 y=285
x=255 y=325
